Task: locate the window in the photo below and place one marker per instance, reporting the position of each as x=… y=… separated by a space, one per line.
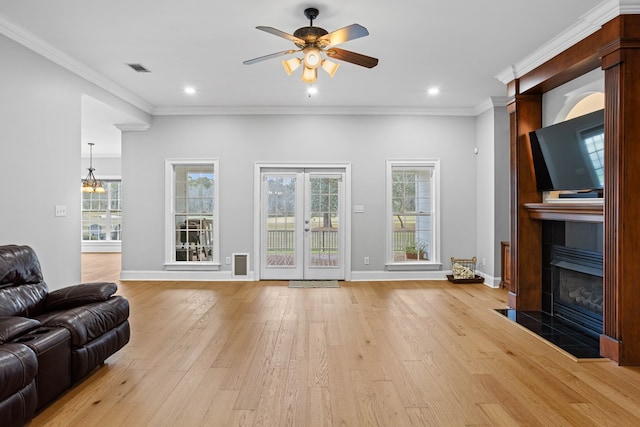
x=102 y=213
x=192 y=220
x=412 y=213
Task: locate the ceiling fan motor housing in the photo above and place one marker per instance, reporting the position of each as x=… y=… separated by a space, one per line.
x=309 y=34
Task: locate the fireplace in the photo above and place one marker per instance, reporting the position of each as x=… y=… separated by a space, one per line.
x=577 y=296
x=572 y=276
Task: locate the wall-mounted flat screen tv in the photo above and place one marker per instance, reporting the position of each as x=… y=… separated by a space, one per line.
x=570 y=155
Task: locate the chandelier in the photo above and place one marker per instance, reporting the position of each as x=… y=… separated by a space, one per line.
x=90 y=184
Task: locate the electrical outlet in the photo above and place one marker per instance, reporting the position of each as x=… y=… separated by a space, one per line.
x=484 y=261
x=366 y=260
x=227 y=260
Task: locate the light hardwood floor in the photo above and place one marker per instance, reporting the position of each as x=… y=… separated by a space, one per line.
x=414 y=353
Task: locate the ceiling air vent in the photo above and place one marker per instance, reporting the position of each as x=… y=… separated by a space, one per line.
x=139 y=68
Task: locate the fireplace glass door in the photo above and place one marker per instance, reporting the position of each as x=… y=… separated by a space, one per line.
x=577 y=287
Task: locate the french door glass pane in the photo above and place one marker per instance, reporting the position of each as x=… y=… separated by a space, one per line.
x=324 y=221
x=281 y=216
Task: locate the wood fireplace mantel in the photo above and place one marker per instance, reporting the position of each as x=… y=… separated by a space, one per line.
x=558 y=211
x=615 y=48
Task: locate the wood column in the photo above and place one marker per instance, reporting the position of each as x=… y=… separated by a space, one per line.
x=621 y=62
x=525 y=292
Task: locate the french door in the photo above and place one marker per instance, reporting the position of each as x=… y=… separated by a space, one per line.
x=302 y=224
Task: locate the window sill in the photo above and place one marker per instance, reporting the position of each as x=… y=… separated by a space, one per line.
x=192 y=266
x=414 y=266
x=101 y=245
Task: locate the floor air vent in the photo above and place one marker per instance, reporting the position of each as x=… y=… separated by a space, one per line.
x=240 y=265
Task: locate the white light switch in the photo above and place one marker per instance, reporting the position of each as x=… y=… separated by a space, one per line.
x=61 y=210
x=358 y=209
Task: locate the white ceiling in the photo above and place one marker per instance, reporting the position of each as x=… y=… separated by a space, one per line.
x=459 y=46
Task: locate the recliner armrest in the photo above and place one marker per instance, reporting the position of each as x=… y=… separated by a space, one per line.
x=12 y=327
x=75 y=296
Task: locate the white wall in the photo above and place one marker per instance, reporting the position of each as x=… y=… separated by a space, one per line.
x=502 y=187
x=40 y=157
x=492 y=190
x=239 y=141
x=105 y=167
x=40 y=126
x=484 y=187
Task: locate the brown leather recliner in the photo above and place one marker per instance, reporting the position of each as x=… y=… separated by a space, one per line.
x=71 y=331
x=18 y=368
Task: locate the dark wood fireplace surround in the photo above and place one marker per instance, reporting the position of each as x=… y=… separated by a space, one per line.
x=616 y=49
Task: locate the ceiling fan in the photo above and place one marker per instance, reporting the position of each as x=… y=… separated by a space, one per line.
x=313 y=42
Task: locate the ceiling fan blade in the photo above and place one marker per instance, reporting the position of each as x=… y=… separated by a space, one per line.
x=276 y=32
x=273 y=55
x=351 y=32
x=354 y=58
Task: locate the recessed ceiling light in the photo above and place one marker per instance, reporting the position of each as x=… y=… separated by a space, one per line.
x=433 y=91
x=189 y=90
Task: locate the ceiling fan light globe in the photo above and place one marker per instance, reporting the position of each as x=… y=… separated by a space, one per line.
x=312 y=58
x=290 y=65
x=309 y=75
x=330 y=67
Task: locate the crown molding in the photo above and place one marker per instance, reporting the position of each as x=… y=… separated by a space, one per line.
x=588 y=24
x=278 y=110
x=29 y=40
x=629 y=7
x=491 y=103
x=133 y=127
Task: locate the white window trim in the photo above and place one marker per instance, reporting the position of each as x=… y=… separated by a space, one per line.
x=169 y=226
x=434 y=263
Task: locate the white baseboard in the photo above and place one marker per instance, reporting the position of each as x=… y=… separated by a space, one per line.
x=358 y=276
x=490 y=281
x=227 y=276
x=195 y=276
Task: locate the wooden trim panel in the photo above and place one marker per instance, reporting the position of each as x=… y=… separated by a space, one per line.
x=577 y=212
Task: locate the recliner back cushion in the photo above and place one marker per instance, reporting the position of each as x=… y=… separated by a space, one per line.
x=22 y=288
